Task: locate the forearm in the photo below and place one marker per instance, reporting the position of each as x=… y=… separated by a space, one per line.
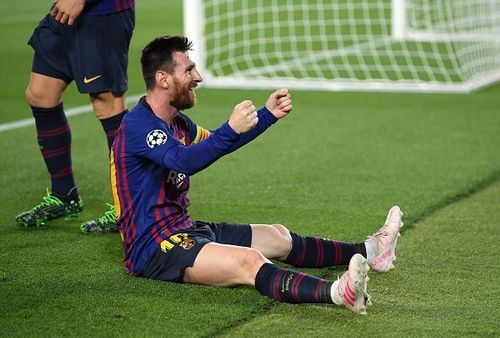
x=266 y=119
x=196 y=157
x=191 y=159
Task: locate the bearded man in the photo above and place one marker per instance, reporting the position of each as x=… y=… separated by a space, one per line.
x=155 y=151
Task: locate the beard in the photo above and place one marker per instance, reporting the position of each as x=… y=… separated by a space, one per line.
x=183 y=97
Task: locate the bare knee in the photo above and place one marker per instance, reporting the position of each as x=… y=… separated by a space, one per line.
x=272 y=240
x=107 y=104
x=44 y=91
x=284 y=240
x=282 y=230
x=250 y=263
x=252 y=259
x=40 y=98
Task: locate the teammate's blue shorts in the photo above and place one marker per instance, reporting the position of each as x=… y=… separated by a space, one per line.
x=93 y=51
x=172 y=257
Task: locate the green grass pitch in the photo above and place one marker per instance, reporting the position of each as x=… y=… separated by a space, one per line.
x=332 y=168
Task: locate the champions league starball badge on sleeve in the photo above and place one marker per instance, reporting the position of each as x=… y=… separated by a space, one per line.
x=156 y=138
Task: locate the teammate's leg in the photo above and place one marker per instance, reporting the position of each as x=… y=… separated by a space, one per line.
x=44 y=95
x=111 y=35
x=109 y=108
x=228 y=265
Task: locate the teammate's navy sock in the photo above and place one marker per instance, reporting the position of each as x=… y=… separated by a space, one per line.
x=292 y=286
x=54 y=139
x=316 y=252
x=111 y=125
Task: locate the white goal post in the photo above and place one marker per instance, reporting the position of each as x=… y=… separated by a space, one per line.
x=384 y=45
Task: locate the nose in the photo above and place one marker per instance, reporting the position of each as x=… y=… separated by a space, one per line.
x=197 y=76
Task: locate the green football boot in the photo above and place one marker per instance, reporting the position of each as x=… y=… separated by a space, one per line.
x=50 y=208
x=104 y=224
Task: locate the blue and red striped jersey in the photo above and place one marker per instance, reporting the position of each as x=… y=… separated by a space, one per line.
x=106 y=7
x=150 y=167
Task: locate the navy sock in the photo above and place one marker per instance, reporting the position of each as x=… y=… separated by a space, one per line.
x=316 y=252
x=292 y=286
x=111 y=125
x=54 y=139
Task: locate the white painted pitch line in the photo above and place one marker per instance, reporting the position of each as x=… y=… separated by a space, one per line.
x=69 y=112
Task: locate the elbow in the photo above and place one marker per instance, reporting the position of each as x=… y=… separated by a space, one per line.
x=190 y=172
x=186 y=168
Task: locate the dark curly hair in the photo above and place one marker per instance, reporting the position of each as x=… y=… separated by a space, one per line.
x=158 y=55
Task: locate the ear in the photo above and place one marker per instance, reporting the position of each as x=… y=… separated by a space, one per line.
x=162 y=79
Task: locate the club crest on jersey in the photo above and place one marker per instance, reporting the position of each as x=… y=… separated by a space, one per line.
x=156 y=138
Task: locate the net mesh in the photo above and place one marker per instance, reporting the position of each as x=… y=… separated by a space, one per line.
x=444 y=41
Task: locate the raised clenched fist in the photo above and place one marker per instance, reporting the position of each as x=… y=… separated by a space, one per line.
x=279 y=103
x=244 y=117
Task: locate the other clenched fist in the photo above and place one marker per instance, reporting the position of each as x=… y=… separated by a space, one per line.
x=244 y=117
x=279 y=103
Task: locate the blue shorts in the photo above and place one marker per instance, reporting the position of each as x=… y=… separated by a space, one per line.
x=170 y=259
x=93 y=51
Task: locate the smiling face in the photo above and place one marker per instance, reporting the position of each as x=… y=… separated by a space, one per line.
x=184 y=79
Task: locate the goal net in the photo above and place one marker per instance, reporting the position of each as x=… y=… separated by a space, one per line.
x=389 y=45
